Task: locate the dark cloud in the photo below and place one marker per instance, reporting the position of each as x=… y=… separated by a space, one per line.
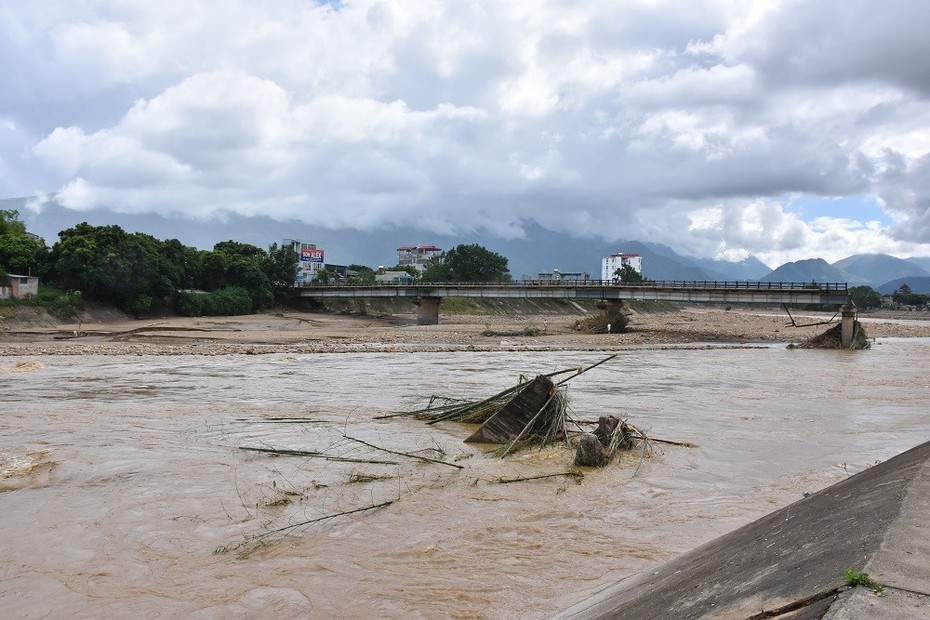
x=690 y=123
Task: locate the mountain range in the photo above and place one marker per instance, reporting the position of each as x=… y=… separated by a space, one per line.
x=539 y=251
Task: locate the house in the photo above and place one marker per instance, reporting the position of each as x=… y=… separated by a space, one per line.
x=310 y=260
x=15 y=286
x=417 y=256
x=610 y=264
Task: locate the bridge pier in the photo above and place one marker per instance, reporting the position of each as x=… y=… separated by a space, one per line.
x=427 y=310
x=847 y=324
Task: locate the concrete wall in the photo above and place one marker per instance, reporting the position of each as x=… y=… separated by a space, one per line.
x=19 y=287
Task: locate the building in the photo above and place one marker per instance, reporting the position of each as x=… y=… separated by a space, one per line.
x=310 y=260
x=15 y=286
x=610 y=264
x=562 y=276
x=337 y=272
x=417 y=256
x=392 y=277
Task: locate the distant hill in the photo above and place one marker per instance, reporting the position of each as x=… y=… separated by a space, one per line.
x=921 y=261
x=661 y=263
x=810 y=270
x=876 y=269
x=540 y=250
x=918 y=284
x=747 y=269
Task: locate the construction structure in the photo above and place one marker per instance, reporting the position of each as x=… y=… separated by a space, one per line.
x=417 y=256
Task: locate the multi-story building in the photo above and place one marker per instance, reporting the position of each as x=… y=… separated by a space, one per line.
x=310 y=260
x=557 y=275
x=417 y=256
x=610 y=264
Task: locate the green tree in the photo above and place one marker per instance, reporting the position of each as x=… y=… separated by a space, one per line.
x=906 y=297
x=248 y=275
x=133 y=270
x=366 y=275
x=10 y=224
x=19 y=252
x=246 y=267
x=468 y=263
x=228 y=301
x=235 y=249
x=322 y=276
x=628 y=275
x=280 y=265
x=104 y=262
x=865 y=297
x=214 y=268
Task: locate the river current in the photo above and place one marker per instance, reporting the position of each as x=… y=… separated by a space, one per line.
x=124 y=491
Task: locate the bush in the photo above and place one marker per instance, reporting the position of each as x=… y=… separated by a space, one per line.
x=138 y=304
x=229 y=301
x=618 y=319
x=61 y=304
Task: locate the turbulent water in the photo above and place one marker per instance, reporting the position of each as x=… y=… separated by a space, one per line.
x=121 y=477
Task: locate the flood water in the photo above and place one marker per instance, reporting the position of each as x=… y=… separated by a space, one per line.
x=120 y=477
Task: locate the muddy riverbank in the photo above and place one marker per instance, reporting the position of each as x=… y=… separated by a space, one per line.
x=305 y=332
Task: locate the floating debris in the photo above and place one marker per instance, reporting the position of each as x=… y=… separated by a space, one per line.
x=537 y=410
x=612 y=435
x=833 y=339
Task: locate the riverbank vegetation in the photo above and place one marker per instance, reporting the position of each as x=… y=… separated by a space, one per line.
x=139 y=273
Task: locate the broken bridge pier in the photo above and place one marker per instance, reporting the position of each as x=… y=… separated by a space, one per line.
x=847 y=324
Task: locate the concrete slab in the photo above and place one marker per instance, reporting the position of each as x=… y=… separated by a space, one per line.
x=790 y=563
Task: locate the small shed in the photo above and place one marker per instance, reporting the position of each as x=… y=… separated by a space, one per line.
x=15 y=286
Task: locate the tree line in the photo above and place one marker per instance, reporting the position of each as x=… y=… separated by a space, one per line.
x=140 y=273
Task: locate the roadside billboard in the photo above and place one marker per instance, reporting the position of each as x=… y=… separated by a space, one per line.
x=311 y=256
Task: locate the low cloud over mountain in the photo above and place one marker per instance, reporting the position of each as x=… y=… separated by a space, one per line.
x=725 y=129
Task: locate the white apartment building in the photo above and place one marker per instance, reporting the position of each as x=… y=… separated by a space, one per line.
x=610 y=264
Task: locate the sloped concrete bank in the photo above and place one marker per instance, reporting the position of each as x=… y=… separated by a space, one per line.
x=790 y=563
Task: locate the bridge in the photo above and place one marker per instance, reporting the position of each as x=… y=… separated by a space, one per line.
x=428 y=295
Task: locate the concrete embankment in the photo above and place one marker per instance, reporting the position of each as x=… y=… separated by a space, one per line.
x=791 y=563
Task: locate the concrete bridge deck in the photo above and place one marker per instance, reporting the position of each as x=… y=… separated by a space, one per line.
x=428 y=295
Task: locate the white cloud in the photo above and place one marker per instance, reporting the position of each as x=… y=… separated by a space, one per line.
x=675 y=121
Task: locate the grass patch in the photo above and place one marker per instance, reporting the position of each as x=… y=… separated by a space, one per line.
x=61 y=304
x=461 y=305
x=855 y=578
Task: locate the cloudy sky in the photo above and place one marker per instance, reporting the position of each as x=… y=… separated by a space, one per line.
x=787 y=130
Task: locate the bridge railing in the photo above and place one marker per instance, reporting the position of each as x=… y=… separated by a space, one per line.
x=834 y=287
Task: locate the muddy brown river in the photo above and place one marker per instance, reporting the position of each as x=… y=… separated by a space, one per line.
x=124 y=492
